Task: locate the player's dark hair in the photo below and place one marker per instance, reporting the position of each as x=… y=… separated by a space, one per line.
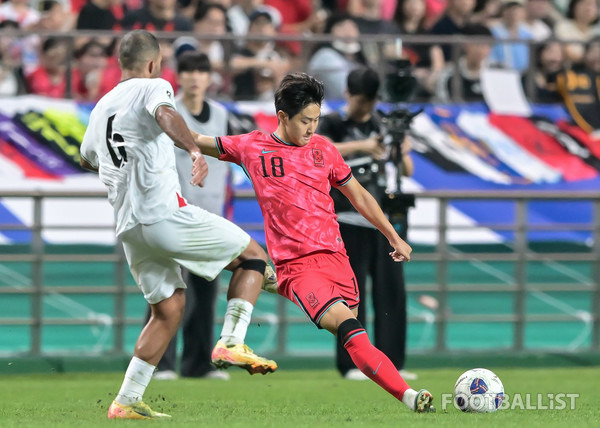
x=193 y=61
x=363 y=81
x=296 y=91
x=137 y=47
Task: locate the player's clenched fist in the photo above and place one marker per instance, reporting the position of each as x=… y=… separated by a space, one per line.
x=199 y=169
x=401 y=251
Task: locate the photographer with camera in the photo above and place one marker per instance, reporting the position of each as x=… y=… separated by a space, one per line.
x=369 y=142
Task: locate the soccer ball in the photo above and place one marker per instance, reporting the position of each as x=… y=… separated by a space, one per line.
x=479 y=391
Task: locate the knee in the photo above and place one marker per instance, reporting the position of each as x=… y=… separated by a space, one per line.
x=253 y=252
x=171 y=309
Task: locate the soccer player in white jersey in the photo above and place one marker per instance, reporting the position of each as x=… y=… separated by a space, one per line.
x=129 y=141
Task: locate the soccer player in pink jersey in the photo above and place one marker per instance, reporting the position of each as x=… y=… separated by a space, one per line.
x=292 y=171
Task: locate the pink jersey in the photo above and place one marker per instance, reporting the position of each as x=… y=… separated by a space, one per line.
x=292 y=186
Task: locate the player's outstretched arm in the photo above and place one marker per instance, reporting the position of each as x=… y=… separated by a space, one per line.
x=206 y=144
x=366 y=204
x=174 y=126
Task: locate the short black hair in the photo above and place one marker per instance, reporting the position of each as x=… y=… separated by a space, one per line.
x=93 y=43
x=296 y=91
x=193 y=61
x=335 y=19
x=52 y=42
x=363 y=81
x=203 y=9
x=476 y=30
x=136 y=47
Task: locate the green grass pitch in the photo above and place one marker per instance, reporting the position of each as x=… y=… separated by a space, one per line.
x=290 y=398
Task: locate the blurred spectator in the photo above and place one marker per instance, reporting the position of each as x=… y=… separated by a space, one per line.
x=470 y=65
x=101 y=15
x=157 y=15
x=434 y=9
x=370 y=20
x=11 y=78
x=579 y=26
x=486 y=12
x=536 y=12
x=453 y=21
x=210 y=20
x=550 y=61
x=258 y=67
x=49 y=78
x=332 y=62
x=298 y=17
x=238 y=15
x=591 y=58
x=427 y=62
x=10 y=46
x=19 y=12
x=168 y=63
x=580 y=89
x=90 y=80
x=53 y=16
x=513 y=56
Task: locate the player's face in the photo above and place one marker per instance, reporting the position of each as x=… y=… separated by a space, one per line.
x=301 y=127
x=193 y=83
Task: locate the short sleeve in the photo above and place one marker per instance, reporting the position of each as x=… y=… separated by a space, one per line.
x=87 y=150
x=341 y=173
x=160 y=93
x=231 y=147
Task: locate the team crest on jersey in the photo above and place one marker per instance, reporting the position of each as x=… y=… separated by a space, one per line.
x=318 y=157
x=312 y=300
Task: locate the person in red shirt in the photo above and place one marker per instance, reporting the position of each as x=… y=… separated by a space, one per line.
x=292 y=171
x=49 y=78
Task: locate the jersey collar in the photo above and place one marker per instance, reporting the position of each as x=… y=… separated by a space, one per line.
x=279 y=140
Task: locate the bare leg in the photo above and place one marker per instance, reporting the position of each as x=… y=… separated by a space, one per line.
x=246 y=283
x=245 y=286
x=161 y=328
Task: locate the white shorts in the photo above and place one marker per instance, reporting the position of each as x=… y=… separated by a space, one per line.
x=194 y=238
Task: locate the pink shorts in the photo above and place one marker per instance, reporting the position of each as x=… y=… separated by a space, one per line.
x=318 y=281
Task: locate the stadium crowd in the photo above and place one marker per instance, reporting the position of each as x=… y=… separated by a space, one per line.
x=565 y=36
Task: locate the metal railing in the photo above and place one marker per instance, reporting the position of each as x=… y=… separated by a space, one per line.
x=443 y=256
x=377 y=59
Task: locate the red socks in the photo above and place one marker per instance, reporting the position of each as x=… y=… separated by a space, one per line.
x=370 y=360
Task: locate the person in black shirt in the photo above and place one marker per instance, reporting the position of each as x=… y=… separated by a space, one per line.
x=453 y=21
x=157 y=15
x=97 y=15
x=357 y=133
x=469 y=66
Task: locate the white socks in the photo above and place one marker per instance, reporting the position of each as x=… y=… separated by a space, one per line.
x=237 y=318
x=137 y=378
x=409 y=398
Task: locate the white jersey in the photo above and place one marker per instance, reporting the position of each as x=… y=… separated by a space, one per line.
x=134 y=156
